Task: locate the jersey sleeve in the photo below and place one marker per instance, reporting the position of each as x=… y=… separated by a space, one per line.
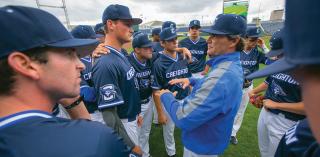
x=156 y=78
x=105 y=78
x=268 y=80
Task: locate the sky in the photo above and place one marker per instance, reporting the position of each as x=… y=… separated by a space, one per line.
x=179 y=11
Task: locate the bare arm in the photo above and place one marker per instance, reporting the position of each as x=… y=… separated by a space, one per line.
x=162 y=119
x=297 y=108
x=78 y=112
x=260 y=88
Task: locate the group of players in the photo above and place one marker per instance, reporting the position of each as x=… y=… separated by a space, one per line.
x=174 y=81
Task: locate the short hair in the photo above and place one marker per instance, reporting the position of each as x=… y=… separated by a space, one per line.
x=7 y=74
x=240 y=44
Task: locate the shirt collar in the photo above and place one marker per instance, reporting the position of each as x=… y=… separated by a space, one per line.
x=234 y=56
x=16 y=117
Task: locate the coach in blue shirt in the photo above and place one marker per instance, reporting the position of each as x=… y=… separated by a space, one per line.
x=206 y=115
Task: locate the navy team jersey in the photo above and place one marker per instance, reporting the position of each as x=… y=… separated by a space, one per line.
x=38 y=134
x=143 y=75
x=283 y=88
x=86 y=81
x=198 y=50
x=116 y=85
x=165 y=69
x=250 y=61
x=298 y=142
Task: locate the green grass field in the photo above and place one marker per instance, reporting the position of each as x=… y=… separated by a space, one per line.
x=247 y=135
x=239 y=10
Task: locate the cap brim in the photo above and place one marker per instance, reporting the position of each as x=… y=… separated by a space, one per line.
x=134 y=21
x=212 y=31
x=147 y=45
x=83 y=47
x=278 y=66
x=254 y=36
x=98 y=36
x=274 y=53
x=172 y=37
x=194 y=26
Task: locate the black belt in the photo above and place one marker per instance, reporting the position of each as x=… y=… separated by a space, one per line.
x=287 y=115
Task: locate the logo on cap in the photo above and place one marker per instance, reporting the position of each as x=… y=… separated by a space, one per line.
x=172 y=30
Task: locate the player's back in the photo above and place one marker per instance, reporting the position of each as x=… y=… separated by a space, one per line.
x=38 y=134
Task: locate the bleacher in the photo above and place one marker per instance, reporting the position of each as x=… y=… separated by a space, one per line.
x=269 y=27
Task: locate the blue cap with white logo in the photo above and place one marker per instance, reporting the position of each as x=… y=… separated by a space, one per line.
x=194 y=23
x=141 y=40
x=155 y=31
x=300 y=38
x=84 y=32
x=276 y=44
x=170 y=24
x=253 y=32
x=227 y=24
x=119 y=12
x=168 y=34
x=24 y=28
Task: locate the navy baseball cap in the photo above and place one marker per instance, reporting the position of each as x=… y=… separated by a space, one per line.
x=155 y=31
x=98 y=28
x=24 y=28
x=84 y=32
x=253 y=32
x=119 y=12
x=141 y=40
x=276 y=44
x=228 y=24
x=300 y=38
x=194 y=23
x=168 y=34
x=167 y=24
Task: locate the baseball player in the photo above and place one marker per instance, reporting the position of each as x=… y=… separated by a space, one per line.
x=86 y=85
x=31 y=85
x=206 y=115
x=168 y=66
x=156 y=40
x=282 y=104
x=250 y=59
x=198 y=48
x=99 y=29
x=114 y=77
x=302 y=59
x=141 y=60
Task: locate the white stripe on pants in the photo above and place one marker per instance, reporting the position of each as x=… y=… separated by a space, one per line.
x=144 y=131
x=131 y=129
x=189 y=153
x=271 y=128
x=242 y=109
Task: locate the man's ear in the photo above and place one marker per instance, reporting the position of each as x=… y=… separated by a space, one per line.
x=235 y=41
x=23 y=65
x=110 y=25
x=162 y=43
